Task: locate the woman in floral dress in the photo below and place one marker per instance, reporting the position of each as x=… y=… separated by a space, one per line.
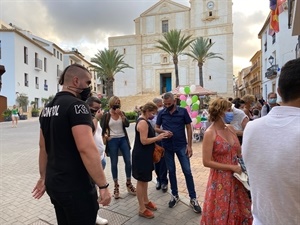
x=226 y=200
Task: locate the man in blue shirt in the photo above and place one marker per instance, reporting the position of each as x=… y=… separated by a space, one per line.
x=174 y=120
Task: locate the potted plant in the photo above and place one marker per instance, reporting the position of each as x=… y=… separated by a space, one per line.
x=34 y=111
x=6 y=115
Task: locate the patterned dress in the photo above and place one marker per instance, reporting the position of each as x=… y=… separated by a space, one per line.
x=226 y=200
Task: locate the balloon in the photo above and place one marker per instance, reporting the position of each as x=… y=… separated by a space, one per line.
x=193 y=88
x=187 y=90
x=182 y=97
x=195 y=107
x=197 y=102
x=194 y=121
x=194 y=98
x=198 y=119
x=194 y=114
x=188 y=108
x=183 y=103
x=188 y=101
x=181 y=90
x=198 y=125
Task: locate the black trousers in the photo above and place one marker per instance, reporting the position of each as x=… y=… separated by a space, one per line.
x=76 y=207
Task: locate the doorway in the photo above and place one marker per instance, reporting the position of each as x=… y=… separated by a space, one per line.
x=165 y=82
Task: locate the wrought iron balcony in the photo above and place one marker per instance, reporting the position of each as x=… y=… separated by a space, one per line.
x=271 y=72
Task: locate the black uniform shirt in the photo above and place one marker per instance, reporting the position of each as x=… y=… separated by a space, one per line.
x=65 y=169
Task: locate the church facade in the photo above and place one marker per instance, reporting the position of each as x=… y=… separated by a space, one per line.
x=153 y=69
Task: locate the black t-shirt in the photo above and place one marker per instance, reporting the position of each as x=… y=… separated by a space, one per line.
x=65 y=169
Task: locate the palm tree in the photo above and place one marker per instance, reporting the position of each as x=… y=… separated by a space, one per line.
x=199 y=53
x=174 y=44
x=108 y=63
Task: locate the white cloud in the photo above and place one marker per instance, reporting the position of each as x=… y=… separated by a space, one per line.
x=87 y=24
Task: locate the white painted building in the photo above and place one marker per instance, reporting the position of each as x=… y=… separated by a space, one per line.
x=281 y=47
x=153 y=70
x=33 y=65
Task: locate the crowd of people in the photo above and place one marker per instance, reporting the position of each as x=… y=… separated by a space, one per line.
x=242 y=139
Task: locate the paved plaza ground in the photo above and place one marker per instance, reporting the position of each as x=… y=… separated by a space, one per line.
x=19 y=173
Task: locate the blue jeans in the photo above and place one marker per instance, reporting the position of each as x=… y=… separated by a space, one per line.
x=114 y=145
x=161 y=171
x=186 y=169
x=103 y=162
x=76 y=207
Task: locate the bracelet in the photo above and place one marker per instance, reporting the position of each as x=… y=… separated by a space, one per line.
x=103 y=187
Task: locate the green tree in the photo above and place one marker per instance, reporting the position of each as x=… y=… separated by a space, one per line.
x=200 y=53
x=23 y=101
x=45 y=101
x=107 y=64
x=174 y=44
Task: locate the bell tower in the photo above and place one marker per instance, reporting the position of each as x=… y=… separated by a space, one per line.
x=213 y=19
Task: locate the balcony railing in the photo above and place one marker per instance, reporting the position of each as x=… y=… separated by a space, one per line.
x=271 y=72
x=38 y=64
x=255 y=65
x=254 y=80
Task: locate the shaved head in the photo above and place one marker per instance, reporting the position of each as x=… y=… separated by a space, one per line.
x=74 y=70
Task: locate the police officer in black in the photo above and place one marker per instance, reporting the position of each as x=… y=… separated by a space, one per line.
x=69 y=161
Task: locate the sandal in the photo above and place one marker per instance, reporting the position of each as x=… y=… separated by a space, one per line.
x=116 y=192
x=147 y=214
x=130 y=188
x=151 y=206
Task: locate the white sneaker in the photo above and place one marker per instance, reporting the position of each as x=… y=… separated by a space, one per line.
x=101 y=221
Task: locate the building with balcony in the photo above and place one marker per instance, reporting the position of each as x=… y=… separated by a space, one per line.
x=243 y=82
x=294 y=21
x=30 y=65
x=33 y=65
x=276 y=50
x=255 y=75
x=154 y=69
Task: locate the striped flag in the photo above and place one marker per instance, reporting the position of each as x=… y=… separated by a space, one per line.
x=274 y=20
x=276 y=7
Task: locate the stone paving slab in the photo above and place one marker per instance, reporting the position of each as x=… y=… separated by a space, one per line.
x=19 y=173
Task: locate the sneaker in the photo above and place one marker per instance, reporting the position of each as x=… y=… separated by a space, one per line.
x=195 y=205
x=101 y=221
x=173 y=202
x=164 y=187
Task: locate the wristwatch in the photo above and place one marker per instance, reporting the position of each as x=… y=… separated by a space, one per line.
x=103 y=187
